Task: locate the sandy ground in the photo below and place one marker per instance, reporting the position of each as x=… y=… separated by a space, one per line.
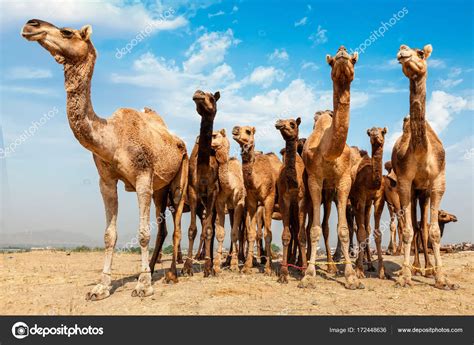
x=54 y=283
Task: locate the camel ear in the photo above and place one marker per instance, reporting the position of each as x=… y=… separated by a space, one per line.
x=428 y=49
x=298 y=121
x=254 y=130
x=368 y=132
x=86 y=32
x=384 y=130
x=222 y=131
x=329 y=59
x=217 y=95
x=355 y=57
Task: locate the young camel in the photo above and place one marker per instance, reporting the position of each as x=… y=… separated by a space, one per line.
x=260 y=176
x=327 y=161
x=203 y=179
x=367 y=190
x=419 y=161
x=393 y=204
x=131 y=146
x=231 y=194
x=291 y=192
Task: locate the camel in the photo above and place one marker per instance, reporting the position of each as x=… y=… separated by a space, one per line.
x=231 y=194
x=419 y=162
x=203 y=181
x=291 y=192
x=260 y=175
x=131 y=146
x=393 y=204
x=367 y=190
x=327 y=160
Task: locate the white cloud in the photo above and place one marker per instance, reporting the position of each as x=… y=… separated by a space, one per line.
x=319 y=37
x=234 y=9
x=301 y=22
x=436 y=63
x=309 y=65
x=448 y=83
x=217 y=14
x=117 y=17
x=391 y=89
x=279 y=54
x=28 y=73
x=209 y=50
x=441 y=107
x=265 y=76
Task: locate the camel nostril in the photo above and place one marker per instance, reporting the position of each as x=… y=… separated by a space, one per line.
x=33 y=22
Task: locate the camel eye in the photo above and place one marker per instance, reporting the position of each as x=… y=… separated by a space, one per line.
x=292 y=125
x=420 y=53
x=67 y=33
x=248 y=132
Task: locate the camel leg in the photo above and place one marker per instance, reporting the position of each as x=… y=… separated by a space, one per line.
x=437 y=191
x=251 y=234
x=361 y=237
x=237 y=216
x=315 y=189
x=242 y=234
x=308 y=231
x=285 y=238
x=268 y=204
x=393 y=241
x=424 y=205
x=160 y=199
x=404 y=191
x=260 y=225
x=192 y=231
x=416 y=267
x=368 y=231
x=400 y=235
x=108 y=189
x=328 y=197
x=220 y=235
x=378 y=209
x=301 y=235
x=144 y=192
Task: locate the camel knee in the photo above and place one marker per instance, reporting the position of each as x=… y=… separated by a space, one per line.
x=435 y=233
x=208 y=233
x=144 y=236
x=286 y=238
x=407 y=236
x=343 y=233
x=110 y=238
x=314 y=233
x=192 y=232
x=220 y=234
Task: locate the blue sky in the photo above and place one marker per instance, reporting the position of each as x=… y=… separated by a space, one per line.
x=266 y=58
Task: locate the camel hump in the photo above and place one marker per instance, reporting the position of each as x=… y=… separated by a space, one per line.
x=149 y=110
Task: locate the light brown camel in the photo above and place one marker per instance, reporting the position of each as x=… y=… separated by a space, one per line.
x=328 y=162
x=367 y=190
x=231 y=194
x=291 y=193
x=203 y=180
x=419 y=161
x=260 y=176
x=131 y=146
x=393 y=204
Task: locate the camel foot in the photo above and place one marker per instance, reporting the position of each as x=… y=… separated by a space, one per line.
x=308 y=282
x=429 y=271
x=331 y=268
x=381 y=272
x=359 y=272
x=404 y=279
x=415 y=269
x=247 y=269
x=216 y=270
x=143 y=287
x=352 y=281
x=179 y=259
x=98 y=292
x=283 y=279
x=187 y=269
x=234 y=264
x=268 y=270
x=207 y=268
x=444 y=284
x=170 y=278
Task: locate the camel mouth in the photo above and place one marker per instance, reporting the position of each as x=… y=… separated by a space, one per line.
x=198 y=98
x=33 y=36
x=402 y=57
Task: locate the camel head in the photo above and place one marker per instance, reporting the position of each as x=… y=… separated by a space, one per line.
x=300 y=146
x=206 y=102
x=342 y=65
x=66 y=45
x=445 y=217
x=388 y=166
x=377 y=136
x=221 y=146
x=288 y=128
x=244 y=136
x=413 y=60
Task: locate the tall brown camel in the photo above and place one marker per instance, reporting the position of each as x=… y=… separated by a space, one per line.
x=260 y=176
x=393 y=204
x=328 y=162
x=231 y=194
x=203 y=179
x=131 y=146
x=291 y=193
x=367 y=190
x=419 y=161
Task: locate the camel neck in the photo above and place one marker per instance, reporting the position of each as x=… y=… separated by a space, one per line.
x=290 y=163
x=248 y=159
x=417 y=113
x=377 y=159
x=222 y=158
x=340 y=120
x=84 y=122
x=205 y=139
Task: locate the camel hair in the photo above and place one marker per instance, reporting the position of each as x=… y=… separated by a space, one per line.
x=328 y=163
x=291 y=193
x=131 y=146
x=419 y=162
x=260 y=173
x=231 y=194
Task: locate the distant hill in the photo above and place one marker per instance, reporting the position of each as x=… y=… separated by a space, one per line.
x=52 y=238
